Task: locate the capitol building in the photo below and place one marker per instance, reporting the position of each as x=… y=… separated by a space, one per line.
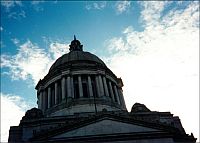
x=81 y=100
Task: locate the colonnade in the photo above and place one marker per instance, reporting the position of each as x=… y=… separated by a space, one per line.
x=79 y=86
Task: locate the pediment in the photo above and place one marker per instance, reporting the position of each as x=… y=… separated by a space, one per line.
x=105 y=126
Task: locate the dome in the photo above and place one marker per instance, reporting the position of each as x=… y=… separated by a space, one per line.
x=33 y=114
x=79 y=83
x=137 y=107
x=76 y=56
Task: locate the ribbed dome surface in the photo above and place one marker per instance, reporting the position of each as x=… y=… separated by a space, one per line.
x=76 y=56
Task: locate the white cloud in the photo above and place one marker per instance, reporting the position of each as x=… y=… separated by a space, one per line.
x=160 y=65
x=58 y=49
x=12 y=109
x=116 y=44
x=95 y=5
x=152 y=11
x=122 y=6
x=32 y=61
x=1 y=28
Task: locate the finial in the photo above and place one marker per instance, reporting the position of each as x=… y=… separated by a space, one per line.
x=75 y=45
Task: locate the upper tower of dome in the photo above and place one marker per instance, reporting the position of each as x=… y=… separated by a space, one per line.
x=75 y=45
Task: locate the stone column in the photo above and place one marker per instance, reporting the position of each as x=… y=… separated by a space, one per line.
x=69 y=92
x=72 y=86
x=63 y=88
x=111 y=91
x=44 y=102
x=40 y=100
x=105 y=87
x=80 y=86
x=90 y=86
x=56 y=93
x=122 y=98
x=116 y=93
x=49 y=97
x=97 y=85
x=101 y=86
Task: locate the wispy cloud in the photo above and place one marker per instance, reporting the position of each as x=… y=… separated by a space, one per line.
x=122 y=6
x=152 y=11
x=37 y=5
x=13 y=108
x=58 y=49
x=15 y=41
x=11 y=12
x=95 y=5
x=1 y=28
x=10 y=4
x=162 y=61
x=25 y=65
x=17 y=15
x=36 y=2
x=2 y=44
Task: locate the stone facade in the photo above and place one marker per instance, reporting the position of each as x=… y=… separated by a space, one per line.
x=81 y=100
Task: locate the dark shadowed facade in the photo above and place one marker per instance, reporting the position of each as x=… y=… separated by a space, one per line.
x=81 y=100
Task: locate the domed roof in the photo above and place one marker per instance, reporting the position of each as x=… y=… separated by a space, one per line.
x=137 y=107
x=76 y=56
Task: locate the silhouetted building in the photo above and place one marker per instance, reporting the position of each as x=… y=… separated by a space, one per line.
x=81 y=100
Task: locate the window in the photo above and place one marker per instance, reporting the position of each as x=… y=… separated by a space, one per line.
x=85 y=90
x=85 y=86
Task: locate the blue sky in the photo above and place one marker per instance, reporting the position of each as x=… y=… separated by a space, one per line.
x=153 y=46
x=46 y=22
